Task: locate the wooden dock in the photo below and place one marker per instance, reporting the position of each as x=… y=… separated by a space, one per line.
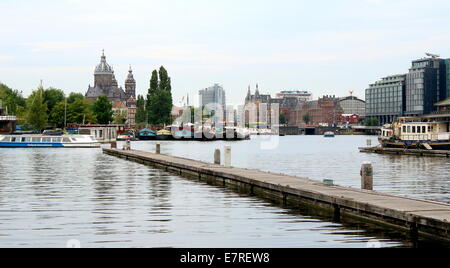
x=400 y=151
x=420 y=217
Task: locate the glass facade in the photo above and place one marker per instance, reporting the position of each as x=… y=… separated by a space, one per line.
x=425 y=86
x=385 y=98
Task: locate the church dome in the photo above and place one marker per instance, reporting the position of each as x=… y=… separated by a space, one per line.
x=103 y=67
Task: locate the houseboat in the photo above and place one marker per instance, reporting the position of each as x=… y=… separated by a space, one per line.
x=42 y=141
x=417 y=133
x=146 y=134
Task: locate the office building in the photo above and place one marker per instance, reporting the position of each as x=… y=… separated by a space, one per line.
x=385 y=98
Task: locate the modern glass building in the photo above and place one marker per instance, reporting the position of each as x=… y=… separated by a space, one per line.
x=214 y=98
x=425 y=86
x=385 y=99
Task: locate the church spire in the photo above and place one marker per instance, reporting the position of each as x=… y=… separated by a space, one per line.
x=257 y=90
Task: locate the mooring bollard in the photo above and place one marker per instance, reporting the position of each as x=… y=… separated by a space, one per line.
x=114 y=145
x=367 y=176
x=228 y=156
x=158 y=148
x=217 y=160
x=369 y=143
x=128 y=145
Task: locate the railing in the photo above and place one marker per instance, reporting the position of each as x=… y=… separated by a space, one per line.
x=8 y=118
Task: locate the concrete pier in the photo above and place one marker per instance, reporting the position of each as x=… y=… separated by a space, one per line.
x=415 y=216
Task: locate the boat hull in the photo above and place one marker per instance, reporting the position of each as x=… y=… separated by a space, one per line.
x=48 y=145
x=435 y=145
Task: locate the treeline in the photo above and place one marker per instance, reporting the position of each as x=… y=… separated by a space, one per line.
x=51 y=108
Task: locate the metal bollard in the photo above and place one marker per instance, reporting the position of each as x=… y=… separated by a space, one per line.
x=367 y=176
x=158 y=148
x=228 y=156
x=217 y=159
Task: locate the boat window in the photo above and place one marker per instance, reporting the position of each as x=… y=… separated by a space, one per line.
x=66 y=140
x=13 y=139
x=424 y=129
x=414 y=129
x=409 y=129
x=5 y=139
x=36 y=139
x=419 y=129
x=23 y=139
x=404 y=129
x=429 y=128
x=57 y=140
x=46 y=139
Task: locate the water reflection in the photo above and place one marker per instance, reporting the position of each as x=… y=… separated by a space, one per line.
x=338 y=159
x=50 y=196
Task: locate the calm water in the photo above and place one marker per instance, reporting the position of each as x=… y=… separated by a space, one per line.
x=50 y=196
x=320 y=158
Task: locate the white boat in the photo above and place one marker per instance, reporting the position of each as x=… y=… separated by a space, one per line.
x=42 y=141
x=329 y=134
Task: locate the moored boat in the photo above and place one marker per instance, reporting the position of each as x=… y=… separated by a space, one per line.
x=43 y=141
x=329 y=134
x=164 y=134
x=416 y=133
x=146 y=134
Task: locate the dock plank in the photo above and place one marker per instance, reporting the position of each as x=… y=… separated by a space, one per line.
x=431 y=218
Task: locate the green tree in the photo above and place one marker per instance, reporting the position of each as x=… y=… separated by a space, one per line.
x=141 y=116
x=75 y=96
x=159 y=98
x=52 y=96
x=102 y=109
x=37 y=110
x=57 y=115
x=372 y=122
x=79 y=111
x=120 y=117
x=307 y=118
x=12 y=101
x=283 y=119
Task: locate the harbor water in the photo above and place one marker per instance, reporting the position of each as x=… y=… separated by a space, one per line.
x=51 y=196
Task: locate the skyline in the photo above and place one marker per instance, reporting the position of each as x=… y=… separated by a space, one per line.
x=296 y=45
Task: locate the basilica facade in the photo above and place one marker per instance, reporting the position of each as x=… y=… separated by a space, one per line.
x=105 y=83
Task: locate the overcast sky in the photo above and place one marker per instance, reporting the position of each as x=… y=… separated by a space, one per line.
x=327 y=47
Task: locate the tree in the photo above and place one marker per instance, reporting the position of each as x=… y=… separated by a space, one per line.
x=57 y=115
x=79 y=111
x=75 y=96
x=307 y=118
x=120 y=117
x=12 y=100
x=159 y=98
x=371 y=122
x=141 y=116
x=283 y=119
x=102 y=109
x=37 y=110
x=52 y=96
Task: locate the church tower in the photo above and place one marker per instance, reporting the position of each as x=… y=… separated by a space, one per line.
x=130 y=85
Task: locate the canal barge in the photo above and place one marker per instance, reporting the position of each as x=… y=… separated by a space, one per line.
x=416 y=133
x=42 y=141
